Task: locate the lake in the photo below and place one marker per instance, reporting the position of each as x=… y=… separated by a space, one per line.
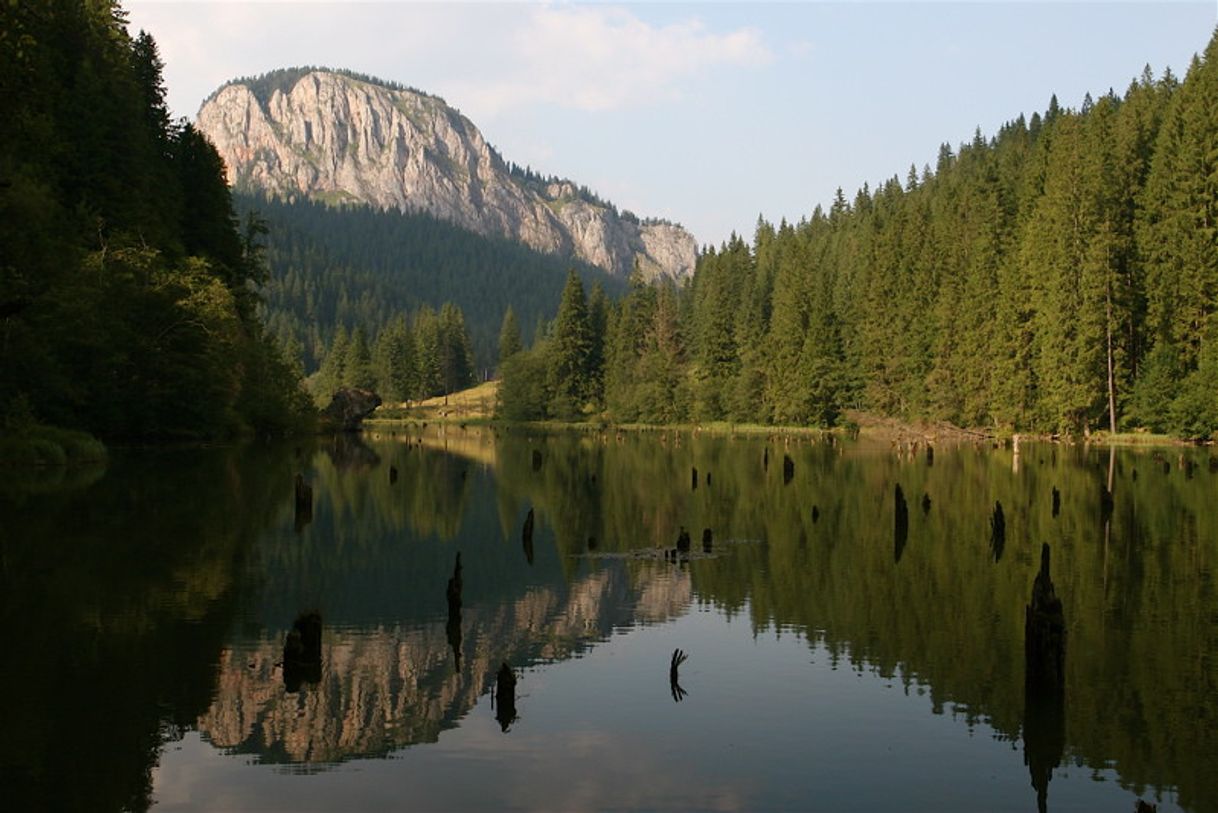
x=179 y=634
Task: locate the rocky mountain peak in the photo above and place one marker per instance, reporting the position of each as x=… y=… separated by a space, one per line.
x=344 y=138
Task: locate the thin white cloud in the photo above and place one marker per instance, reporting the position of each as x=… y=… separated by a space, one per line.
x=601 y=58
x=485 y=58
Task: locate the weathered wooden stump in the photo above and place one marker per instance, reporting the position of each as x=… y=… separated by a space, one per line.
x=765 y=459
x=302 y=652
x=693 y=478
x=788 y=469
x=674 y=675
x=708 y=479
x=304 y=502
x=536 y=460
x=1057 y=501
x=998 y=531
x=526 y=536
x=815 y=514
x=900 y=530
x=930 y=455
x=683 y=542
x=452 y=629
x=1044 y=682
x=925 y=503
x=1044 y=634
x=453 y=592
x=505 y=697
x=393 y=474
x=708 y=541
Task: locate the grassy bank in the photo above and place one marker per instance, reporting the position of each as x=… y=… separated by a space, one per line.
x=476 y=406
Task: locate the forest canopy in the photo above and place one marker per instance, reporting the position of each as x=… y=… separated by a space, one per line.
x=128 y=302
x=1059 y=276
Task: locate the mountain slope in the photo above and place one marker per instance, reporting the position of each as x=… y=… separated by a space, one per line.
x=338 y=137
x=358 y=266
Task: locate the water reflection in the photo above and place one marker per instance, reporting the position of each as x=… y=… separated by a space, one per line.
x=212 y=619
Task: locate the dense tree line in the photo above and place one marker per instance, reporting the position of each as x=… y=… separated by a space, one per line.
x=426 y=355
x=127 y=288
x=360 y=267
x=1059 y=276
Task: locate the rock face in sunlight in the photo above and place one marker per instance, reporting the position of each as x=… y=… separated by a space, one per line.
x=340 y=139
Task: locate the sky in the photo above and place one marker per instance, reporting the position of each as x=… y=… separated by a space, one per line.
x=707 y=113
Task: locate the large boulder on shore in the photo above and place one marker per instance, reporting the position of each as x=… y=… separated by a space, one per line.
x=349 y=407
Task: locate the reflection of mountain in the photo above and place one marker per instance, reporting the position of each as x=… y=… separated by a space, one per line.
x=388 y=687
x=948 y=620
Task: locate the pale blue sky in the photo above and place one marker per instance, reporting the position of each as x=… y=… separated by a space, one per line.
x=705 y=113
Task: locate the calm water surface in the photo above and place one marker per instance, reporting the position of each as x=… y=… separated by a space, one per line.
x=831 y=665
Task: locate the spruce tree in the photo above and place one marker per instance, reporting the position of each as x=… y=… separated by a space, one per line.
x=509 y=336
x=571 y=345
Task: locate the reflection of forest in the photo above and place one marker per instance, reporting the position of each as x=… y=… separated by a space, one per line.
x=157 y=598
x=115 y=596
x=1138 y=588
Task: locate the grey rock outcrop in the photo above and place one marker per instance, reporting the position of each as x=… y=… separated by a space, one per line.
x=349 y=407
x=338 y=138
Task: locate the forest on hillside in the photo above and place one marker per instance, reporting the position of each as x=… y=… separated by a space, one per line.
x=360 y=268
x=128 y=289
x=1059 y=276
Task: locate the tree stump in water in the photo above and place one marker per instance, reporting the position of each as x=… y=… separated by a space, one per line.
x=998 y=531
x=900 y=530
x=708 y=540
x=526 y=536
x=304 y=502
x=693 y=476
x=1044 y=634
x=393 y=474
x=1057 y=501
x=302 y=652
x=536 y=460
x=788 y=469
x=683 y=542
x=505 y=697
x=452 y=629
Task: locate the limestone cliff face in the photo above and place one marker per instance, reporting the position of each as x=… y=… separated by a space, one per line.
x=334 y=137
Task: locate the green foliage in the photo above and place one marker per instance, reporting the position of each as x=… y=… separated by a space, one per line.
x=570 y=348
x=524 y=392
x=126 y=289
x=358 y=266
x=509 y=336
x=1061 y=276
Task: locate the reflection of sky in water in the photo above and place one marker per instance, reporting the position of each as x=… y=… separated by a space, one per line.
x=769 y=724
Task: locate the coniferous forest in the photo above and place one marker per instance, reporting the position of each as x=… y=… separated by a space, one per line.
x=360 y=268
x=128 y=302
x=1061 y=275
